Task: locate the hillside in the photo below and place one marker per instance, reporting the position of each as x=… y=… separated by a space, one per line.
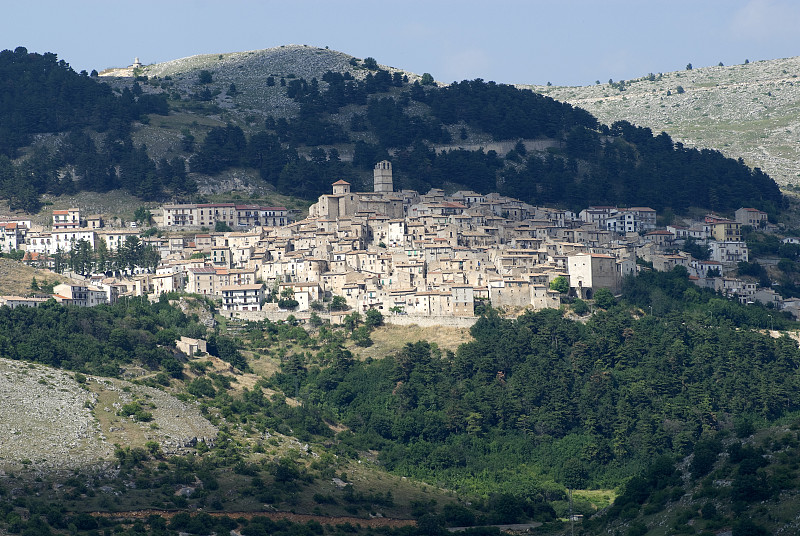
x=489 y=427
x=298 y=118
x=292 y=120
x=742 y=480
x=16 y=278
x=749 y=111
x=249 y=72
x=43 y=402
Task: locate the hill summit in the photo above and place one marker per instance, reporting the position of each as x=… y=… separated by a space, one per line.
x=256 y=74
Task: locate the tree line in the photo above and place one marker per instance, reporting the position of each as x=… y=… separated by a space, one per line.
x=596 y=164
x=97 y=340
x=84 y=259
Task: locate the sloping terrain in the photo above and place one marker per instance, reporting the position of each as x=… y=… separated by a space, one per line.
x=46 y=418
x=749 y=111
x=249 y=72
x=742 y=483
x=15 y=278
x=51 y=420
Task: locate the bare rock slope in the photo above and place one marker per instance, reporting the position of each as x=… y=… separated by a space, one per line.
x=51 y=421
x=749 y=111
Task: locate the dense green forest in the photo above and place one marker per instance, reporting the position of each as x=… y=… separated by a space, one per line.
x=758 y=469
x=41 y=94
x=379 y=114
x=100 y=340
x=531 y=399
x=622 y=164
x=526 y=400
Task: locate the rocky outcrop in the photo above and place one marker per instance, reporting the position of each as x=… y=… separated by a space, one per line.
x=46 y=418
x=49 y=420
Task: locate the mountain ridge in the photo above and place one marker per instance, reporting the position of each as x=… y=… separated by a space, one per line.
x=747 y=111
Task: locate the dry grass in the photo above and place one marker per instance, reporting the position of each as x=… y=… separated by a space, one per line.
x=389 y=339
x=600 y=498
x=15 y=278
x=115 y=203
x=173 y=421
x=116 y=429
x=262 y=365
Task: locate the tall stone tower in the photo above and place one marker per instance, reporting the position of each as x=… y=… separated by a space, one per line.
x=383 y=177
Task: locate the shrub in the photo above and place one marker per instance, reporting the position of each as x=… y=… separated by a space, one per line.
x=560 y=284
x=374 y=318
x=201 y=387
x=604 y=298
x=134 y=409
x=580 y=307
x=288 y=303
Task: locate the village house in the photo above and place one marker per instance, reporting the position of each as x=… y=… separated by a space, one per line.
x=242 y=297
x=66 y=219
x=13 y=302
x=114 y=238
x=723 y=229
x=755 y=218
x=728 y=252
x=193 y=216
x=431 y=255
x=12 y=236
x=168 y=282
x=80 y=295
x=201 y=280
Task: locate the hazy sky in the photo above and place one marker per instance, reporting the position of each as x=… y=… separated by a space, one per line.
x=566 y=42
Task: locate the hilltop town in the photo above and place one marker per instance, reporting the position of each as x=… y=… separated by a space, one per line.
x=416 y=258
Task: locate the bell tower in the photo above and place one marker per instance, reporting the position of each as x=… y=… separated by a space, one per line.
x=383 y=177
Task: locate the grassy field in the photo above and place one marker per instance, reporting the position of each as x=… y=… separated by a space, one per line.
x=15 y=277
x=389 y=339
x=116 y=203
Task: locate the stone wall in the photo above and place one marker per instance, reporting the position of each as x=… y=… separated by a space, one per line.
x=428 y=321
x=398 y=320
x=272 y=316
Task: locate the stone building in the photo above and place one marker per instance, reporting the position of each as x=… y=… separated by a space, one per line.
x=590 y=271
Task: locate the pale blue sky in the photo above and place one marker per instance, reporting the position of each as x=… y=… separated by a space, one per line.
x=566 y=42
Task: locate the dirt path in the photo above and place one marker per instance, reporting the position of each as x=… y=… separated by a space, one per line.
x=295 y=518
